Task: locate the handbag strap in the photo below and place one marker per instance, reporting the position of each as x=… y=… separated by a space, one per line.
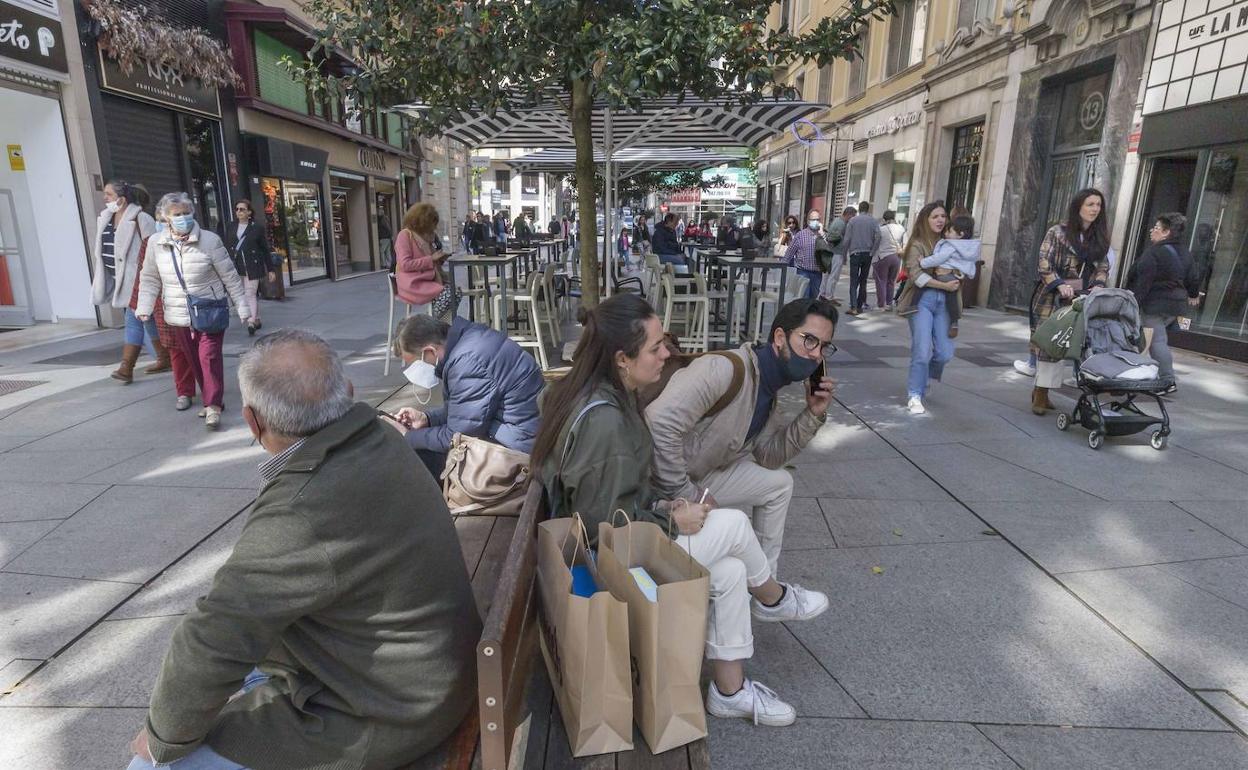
x=173 y=252
x=567 y=443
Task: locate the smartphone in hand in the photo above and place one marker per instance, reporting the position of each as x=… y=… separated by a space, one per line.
x=816 y=379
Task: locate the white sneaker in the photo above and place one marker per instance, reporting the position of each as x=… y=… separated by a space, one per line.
x=797 y=604
x=1025 y=368
x=753 y=701
x=915 y=405
x=183 y=403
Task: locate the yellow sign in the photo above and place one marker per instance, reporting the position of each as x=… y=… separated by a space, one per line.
x=17 y=161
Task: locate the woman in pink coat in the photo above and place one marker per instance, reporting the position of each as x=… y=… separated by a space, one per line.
x=418 y=263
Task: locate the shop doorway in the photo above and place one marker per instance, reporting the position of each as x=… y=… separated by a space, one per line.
x=15 y=307
x=1076 y=149
x=1169 y=186
x=817 y=191
x=292 y=211
x=348 y=205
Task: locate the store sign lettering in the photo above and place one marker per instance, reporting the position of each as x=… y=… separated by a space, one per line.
x=162 y=84
x=372 y=160
x=895 y=124
x=1214 y=26
x=31 y=38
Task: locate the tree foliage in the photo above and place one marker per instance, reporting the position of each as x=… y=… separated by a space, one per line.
x=495 y=56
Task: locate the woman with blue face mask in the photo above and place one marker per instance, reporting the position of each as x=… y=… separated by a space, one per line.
x=185 y=263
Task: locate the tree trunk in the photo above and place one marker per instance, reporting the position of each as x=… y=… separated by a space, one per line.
x=586 y=208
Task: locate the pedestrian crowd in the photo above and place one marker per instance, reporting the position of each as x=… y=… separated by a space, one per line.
x=341 y=631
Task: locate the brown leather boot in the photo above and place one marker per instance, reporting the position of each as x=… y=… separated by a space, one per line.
x=1040 y=400
x=125 y=371
x=162 y=364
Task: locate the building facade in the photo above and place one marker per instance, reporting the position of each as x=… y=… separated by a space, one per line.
x=502 y=188
x=1193 y=155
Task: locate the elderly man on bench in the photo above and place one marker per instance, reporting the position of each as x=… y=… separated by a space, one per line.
x=341 y=632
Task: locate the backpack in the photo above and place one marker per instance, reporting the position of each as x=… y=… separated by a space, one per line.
x=678 y=361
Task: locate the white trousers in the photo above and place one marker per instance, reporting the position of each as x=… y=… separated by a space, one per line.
x=827 y=287
x=253 y=304
x=764 y=496
x=1049 y=374
x=729 y=550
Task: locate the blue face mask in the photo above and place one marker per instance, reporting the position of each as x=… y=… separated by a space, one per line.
x=182 y=223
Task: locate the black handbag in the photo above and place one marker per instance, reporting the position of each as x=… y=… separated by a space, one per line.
x=210 y=315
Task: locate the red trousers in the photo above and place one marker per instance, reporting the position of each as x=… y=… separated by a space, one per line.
x=196 y=361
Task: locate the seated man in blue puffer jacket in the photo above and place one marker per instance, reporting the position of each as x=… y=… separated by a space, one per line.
x=489 y=385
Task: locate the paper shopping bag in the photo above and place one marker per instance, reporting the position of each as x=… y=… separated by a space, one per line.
x=584 y=642
x=667 y=635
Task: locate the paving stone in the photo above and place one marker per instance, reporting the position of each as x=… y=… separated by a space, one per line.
x=896 y=522
x=817 y=744
x=844 y=437
x=18 y=536
x=804 y=528
x=781 y=663
x=1225 y=578
x=1228 y=705
x=1082 y=536
x=952 y=413
x=114 y=665
x=11 y=440
x=1227 y=450
x=979 y=476
x=39 y=615
x=972 y=632
x=1230 y=517
x=130 y=533
x=1192 y=632
x=32 y=501
x=66 y=466
x=175 y=590
x=15 y=671
x=1125 y=471
x=869 y=480
x=230 y=462
x=58 y=739
x=1058 y=747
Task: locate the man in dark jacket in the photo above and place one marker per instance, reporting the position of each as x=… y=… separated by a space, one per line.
x=1164 y=283
x=489 y=385
x=346 y=596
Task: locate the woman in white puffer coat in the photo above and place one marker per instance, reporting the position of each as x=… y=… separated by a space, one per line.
x=206 y=271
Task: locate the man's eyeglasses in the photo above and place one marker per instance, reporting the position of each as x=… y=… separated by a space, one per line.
x=810 y=342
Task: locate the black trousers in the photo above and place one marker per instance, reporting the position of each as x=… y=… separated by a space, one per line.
x=434 y=461
x=859 y=273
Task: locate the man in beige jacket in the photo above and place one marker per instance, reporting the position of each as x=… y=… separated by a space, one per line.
x=735 y=457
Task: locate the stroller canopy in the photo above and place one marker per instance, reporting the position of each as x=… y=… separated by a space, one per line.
x=1111 y=320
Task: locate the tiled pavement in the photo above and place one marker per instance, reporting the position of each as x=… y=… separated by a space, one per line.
x=1002 y=596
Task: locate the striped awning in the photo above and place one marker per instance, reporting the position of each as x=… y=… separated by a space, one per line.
x=631 y=161
x=666 y=122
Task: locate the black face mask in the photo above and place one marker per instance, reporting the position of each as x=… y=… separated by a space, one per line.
x=796 y=367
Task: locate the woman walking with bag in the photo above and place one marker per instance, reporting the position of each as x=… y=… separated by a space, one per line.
x=922 y=304
x=418 y=262
x=594 y=454
x=251 y=258
x=191 y=271
x=1165 y=284
x=121 y=233
x=888 y=259
x=1073 y=259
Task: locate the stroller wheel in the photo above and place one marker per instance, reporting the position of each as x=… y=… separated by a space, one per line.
x=1095 y=438
x=1063 y=421
x=1157 y=440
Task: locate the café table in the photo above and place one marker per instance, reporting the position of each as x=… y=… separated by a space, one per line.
x=499 y=262
x=735 y=264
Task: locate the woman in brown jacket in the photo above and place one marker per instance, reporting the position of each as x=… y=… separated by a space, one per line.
x=1073 y=259
x=922 y=303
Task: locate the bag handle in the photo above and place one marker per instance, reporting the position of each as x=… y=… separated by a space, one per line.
x=628 y=561
x=567 y=444
x=582 y=538
x=671 y=520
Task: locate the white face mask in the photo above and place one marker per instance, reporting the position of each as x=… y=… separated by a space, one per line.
x=813 y=224
x=111 y=207
x=424 y=377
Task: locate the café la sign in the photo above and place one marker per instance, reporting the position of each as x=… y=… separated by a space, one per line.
x=895 y=124
x=1219 y=24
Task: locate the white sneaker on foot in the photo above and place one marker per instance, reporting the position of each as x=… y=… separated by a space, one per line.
x=753 y=701
x=1025 y=368
x=183 y=403
x=797 y=604
x=915 y=405
x=212 y=419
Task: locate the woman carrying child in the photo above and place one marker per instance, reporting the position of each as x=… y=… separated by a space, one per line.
x=593 y=455
x=925 y=304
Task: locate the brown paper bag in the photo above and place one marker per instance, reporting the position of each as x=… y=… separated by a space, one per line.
x=585 y=645
x=666 y=637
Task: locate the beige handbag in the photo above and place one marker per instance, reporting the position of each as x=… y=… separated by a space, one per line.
x=484 y=478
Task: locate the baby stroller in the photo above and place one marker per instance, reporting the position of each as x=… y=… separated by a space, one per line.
x=1109 y=365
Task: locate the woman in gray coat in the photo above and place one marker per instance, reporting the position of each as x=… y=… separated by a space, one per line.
x=185 y=260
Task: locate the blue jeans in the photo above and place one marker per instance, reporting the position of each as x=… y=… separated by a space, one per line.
x=930 y=346
x=204 y=758
x=813 y=279
x=141 y=332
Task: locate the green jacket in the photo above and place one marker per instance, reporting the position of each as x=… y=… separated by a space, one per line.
x=606 y=459
x=348 y=586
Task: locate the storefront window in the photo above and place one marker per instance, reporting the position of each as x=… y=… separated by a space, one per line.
x=856 y=188
x=292 y=211
x=900 y=185
x=201 y=140
x=968 y=142
x=816 y=190
x=1218 y=245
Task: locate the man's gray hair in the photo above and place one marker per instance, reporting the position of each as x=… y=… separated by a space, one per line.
x=416 y=331
x=169 y=200
x=295 y=382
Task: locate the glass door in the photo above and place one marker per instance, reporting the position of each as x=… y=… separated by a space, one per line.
x=14 y=304
x=304 y=233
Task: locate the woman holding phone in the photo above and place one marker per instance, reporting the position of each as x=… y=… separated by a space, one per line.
x=418 y=271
